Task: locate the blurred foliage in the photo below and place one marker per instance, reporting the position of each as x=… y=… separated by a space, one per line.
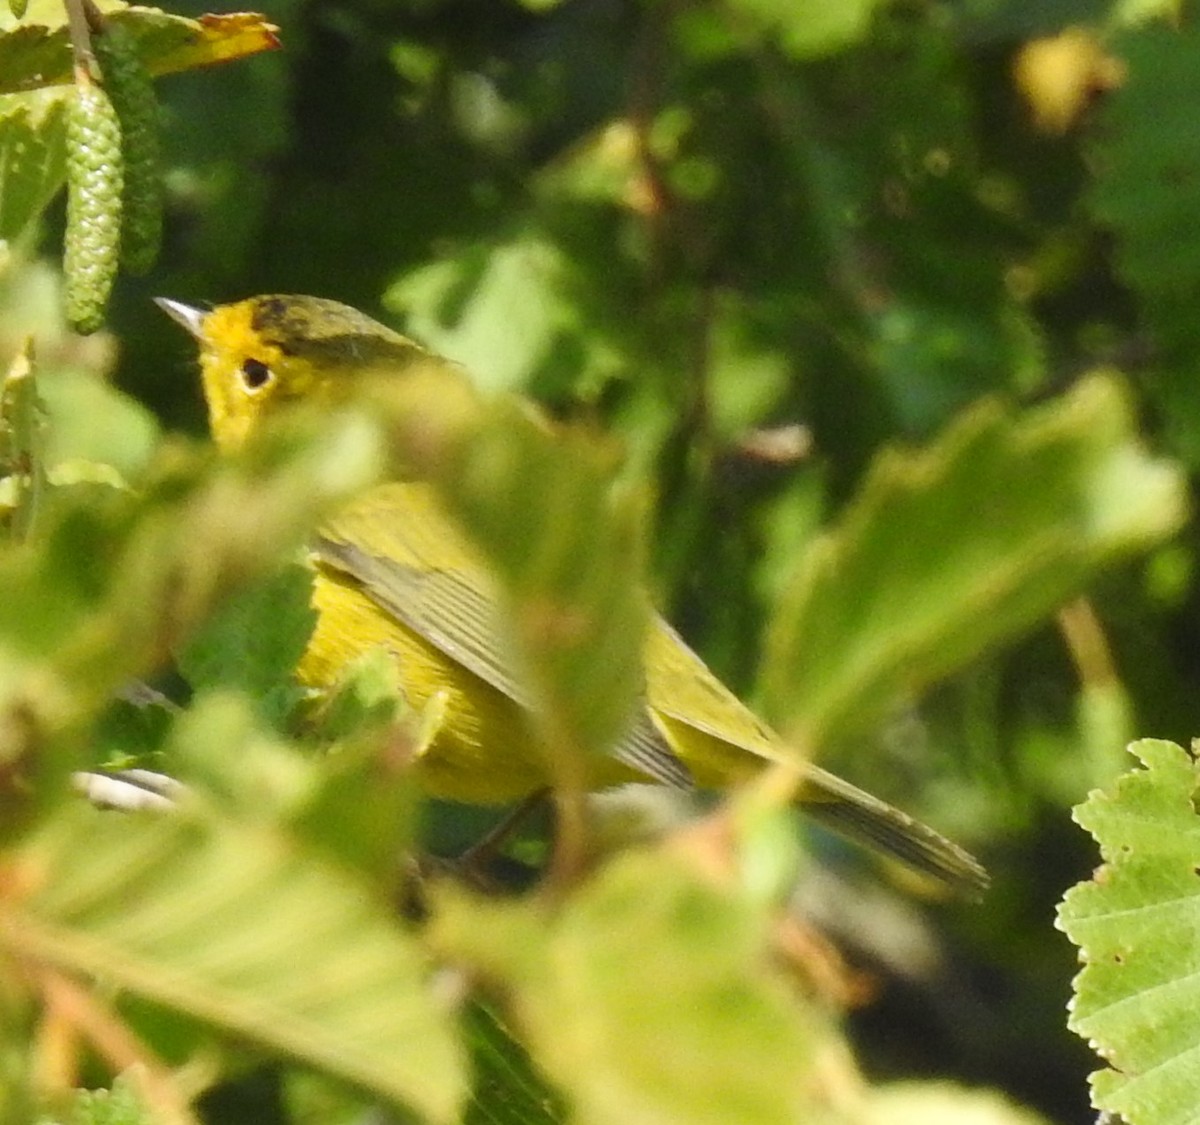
x=761 y=244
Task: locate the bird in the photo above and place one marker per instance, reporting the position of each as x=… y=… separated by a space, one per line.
x=394 y=570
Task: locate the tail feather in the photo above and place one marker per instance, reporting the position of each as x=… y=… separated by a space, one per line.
x=853 y=812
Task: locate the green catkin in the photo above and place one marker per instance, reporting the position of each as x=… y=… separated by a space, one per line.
x=94 y=185
x=18 y=7
x=131 y=90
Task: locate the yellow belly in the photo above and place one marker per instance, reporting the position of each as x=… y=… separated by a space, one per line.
x=483 y=752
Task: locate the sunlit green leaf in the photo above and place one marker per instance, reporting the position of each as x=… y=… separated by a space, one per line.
x=33 y=166
x=237 y=926
x=948 y=551
x=550 y=562
x=498 y=310
x=1137 y=998
x=650 y=1007
x=118 y=1106
x=36 y=52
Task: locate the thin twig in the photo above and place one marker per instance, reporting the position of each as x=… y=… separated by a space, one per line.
x=81 y=42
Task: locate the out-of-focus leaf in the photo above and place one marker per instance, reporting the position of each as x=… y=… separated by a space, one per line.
x=254 y=642
x=948 y=551
x=238 y=926
x=118 y=1106
x=808 y=28
x=22 y=442
x=365 y=809
x=554 y=554
x=942 y=1103
x=1137 y=998
x=571 y=563
x=1132 y=12
x=89 y=421
x=497 y=309
x=114 y=581
x=1147 y=160
x=649 y=1007
x=33 y=158
x=130 y=732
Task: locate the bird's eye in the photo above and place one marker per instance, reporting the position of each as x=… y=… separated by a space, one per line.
x=255 y=374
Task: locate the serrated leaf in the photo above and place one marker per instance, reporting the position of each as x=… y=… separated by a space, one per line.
x=37 y=52
x=241 y=927
x=33 y=164
x=1137 y=999
x=649 y=998
x=948 y=551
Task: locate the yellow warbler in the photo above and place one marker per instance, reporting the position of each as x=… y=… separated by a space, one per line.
x=393 y=570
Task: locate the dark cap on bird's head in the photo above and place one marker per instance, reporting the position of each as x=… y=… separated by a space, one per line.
x=314 y=328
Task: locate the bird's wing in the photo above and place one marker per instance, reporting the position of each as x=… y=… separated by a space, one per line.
x=441 y=606
x=681 y=687
x=455 y=609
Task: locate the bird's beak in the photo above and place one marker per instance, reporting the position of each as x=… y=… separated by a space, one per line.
x=191 y=318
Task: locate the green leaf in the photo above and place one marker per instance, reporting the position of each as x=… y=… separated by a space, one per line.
x=131 y=732
x=1147 y=164
x=506 y=1089
x=570 y=563
x=243 y=927
x=33 y=158
x=23 y=441
x=92 y=423
x=368 y=696
x=220 y=747
x=36 y=52
x=118 y=579
x=115 y=581
x=496 y=309
x=948 y=551
x=365 y=809
x=255 y=641
x=649 y=997
x=557 y=548
x=1137 y=999
x=943 y=1103
x=1147 y=161
x=808 y=28
x=118 y=1106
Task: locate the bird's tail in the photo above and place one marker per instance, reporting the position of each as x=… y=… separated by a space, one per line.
x=853 y=812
